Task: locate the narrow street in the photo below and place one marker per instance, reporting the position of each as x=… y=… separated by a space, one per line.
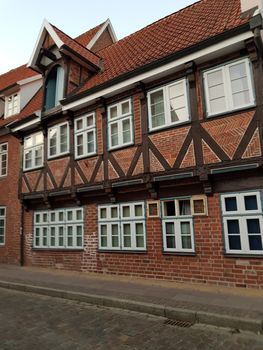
x=34 y=322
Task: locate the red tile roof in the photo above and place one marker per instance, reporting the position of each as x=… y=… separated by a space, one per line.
x=86 y=37
x=9 y=78
x=77 y=47
x=180 y=30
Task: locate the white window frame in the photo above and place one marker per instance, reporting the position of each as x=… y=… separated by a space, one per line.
x=57 y=127
x=2 y=154
x=120 y=221
x=35 y=146
x=84 y=131
x=46 y=223
x=176 y=220
x=119 y=119
x=227 y=87
x=167 y=113
x=3 y=217
x=14 y=109
x=241 y=215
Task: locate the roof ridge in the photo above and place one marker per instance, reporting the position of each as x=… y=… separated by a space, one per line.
x=75 y=41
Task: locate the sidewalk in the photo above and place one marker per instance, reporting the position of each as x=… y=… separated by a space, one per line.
x=220 y=306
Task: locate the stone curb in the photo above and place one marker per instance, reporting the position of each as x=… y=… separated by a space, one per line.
x=246 y=324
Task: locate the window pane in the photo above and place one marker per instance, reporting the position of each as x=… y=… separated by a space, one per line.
x=233 y=226
x=138 y=210
x=169 y=208
x=103 y=213
x=90 y=141
x=186 y=242
x=127 y=235
x=237 y=71
x=114 y=212
x=113 y=112
x=79 y=214
x=79 y=124
x=126 y=211
x=231 y=204
x=184 y=207
x=90 y=120
x=241 y=99
x=234 y=242
x=125 y=108
x=218 y=105
x=255 y=242
x=63 y=138
x=80 y=149
x=185 y=228
x=253 y=226
x=126 y=131
x=169 y=228
x=157 y=108
x=170 y=242
x=115 y=235
x=251 y=203
x=114 y=134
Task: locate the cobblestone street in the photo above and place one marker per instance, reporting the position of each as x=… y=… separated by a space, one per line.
x=33 y=322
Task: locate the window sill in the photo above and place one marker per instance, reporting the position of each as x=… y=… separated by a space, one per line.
x=122 y=251
x=86 y=156
x=168 y=127
x=58 y=156
x=2 y=177
x=230 y=112
x=245 y=255
x=112 y=149
x=33 y=169
x=58 y=249
x=179 y=253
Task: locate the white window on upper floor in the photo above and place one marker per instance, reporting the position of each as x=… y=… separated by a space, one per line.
x=122 y=226
x=2 y=225
x=177 y=223
x=229 y=87
x=168 y=105
x=120 y=124
x=3 y=159
x=12 y=105
x=85 y=136
x=33 y=151
x=58 y=140
x=243 y=223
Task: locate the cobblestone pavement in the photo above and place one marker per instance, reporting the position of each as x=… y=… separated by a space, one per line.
x=34 y=322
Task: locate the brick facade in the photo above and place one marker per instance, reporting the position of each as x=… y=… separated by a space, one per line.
x=202 y=155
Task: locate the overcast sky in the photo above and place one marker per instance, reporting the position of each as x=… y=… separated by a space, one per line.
x=20 y=21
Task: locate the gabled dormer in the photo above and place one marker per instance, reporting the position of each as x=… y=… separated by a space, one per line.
x=64 y=63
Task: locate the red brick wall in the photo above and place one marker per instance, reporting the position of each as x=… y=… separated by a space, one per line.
x=103 y=41
x=208 y=266
x=10 y=252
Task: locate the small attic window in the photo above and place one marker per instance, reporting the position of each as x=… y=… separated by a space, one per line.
x=54 y=87
x=11 y=105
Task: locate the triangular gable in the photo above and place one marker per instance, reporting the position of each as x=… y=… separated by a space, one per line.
x=106 y=26
x=65 y=44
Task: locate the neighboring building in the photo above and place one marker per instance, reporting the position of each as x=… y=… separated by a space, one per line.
x=142 y=156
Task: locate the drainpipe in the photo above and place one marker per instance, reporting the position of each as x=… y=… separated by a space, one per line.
x=22 y=234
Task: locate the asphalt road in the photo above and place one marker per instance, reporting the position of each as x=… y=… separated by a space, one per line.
x=34 y=322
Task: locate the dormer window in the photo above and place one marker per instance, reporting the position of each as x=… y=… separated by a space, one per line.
x=11 y=105
x=54 y=87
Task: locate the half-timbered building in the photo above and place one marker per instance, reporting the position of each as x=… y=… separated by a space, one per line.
x=142 y=156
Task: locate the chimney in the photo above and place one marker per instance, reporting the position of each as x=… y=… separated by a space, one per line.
x=248 y=6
